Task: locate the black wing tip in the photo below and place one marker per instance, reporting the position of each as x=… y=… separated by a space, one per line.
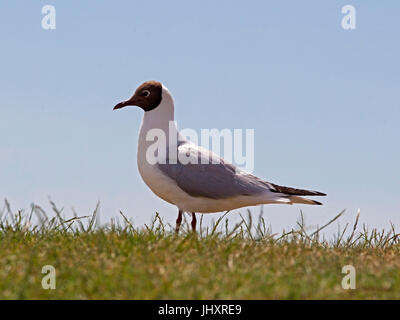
x=317 y=203
x=295 y=191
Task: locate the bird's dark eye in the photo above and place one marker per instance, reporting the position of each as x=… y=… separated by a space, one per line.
x=145 y=93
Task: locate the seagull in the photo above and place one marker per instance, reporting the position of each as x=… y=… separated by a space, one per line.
x=206 y=183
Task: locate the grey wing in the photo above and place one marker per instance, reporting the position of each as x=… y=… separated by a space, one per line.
x=211 y=180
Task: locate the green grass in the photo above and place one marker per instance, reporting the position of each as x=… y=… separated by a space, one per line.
x=245 y=261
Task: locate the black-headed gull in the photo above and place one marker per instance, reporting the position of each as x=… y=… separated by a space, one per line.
x=196 y=186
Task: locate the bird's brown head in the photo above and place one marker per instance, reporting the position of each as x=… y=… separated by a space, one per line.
x=147 y=96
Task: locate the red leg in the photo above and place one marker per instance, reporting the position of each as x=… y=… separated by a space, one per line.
x=194 y=222
x=178 y=221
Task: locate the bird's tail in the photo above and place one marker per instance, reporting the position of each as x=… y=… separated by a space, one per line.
x=294 y=195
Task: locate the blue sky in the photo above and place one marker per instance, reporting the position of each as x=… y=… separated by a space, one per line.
x=324 y=102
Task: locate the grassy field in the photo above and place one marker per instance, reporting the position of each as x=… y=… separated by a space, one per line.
x=245 y=261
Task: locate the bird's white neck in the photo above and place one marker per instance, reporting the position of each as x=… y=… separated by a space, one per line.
x=159 y=119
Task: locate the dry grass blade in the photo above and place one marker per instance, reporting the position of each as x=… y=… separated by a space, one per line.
x=327 y=224
x=248 y=228
x=93 y=218
x=215 y=226
x=354 y=228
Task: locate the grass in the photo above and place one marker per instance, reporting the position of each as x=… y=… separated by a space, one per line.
x=244 y=261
